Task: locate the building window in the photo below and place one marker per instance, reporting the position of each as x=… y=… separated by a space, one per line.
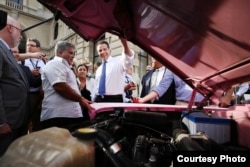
x=18 y=1
x=22 y=45
x=56 y=31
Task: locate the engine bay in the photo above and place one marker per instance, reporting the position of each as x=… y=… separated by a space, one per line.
x=148 y=139
x=133 y=137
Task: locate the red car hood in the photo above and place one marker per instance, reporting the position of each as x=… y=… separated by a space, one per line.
x=206 y=43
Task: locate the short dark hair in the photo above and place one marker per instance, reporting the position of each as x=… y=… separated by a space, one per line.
x=98 y=63
x=102 y=42
x=84 y=65
x=34 y=40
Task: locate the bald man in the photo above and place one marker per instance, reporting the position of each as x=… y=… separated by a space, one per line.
x=13 y=87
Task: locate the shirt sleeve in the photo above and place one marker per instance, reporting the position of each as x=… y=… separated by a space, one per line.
x=127 y=60
x=164 y=83
x=242 y=89
x=56 y=73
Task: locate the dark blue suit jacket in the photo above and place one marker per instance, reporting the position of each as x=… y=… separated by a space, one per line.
x=167 y=98
x=34 y=81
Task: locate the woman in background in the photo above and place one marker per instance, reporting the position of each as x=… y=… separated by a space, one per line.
x=85 y=83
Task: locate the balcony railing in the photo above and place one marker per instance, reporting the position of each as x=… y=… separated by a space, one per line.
x=12 y=5
x=26 y=9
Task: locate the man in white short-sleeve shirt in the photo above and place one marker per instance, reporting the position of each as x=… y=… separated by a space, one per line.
x=62 y=101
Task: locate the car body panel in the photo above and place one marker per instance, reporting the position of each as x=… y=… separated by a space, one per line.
x=162 y=108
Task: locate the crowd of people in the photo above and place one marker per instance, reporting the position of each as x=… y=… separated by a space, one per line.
x=37 y=93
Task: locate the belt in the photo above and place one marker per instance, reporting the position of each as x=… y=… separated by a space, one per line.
x=109 y=96
x=35 y=92
x=182 y=101
x=187 y=102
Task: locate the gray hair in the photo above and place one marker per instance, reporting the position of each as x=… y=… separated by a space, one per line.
x=63 y=45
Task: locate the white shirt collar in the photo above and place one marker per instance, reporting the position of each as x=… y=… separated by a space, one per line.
x=57 y=58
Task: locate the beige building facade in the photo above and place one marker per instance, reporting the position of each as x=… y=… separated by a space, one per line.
x=39 y=23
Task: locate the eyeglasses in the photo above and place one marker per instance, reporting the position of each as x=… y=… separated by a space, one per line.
x=16 y=27
x=31 y=45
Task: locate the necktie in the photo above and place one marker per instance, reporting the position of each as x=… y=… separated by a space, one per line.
x=153 y=79
x=102 y=84
x=127 y=79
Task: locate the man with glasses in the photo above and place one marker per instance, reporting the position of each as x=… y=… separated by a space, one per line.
x=36 y=96
x=19 y=29
x=13 y=86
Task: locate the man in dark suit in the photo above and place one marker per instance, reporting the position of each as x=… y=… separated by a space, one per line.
x=169 y=88
x=13 y=87
x=150 y=81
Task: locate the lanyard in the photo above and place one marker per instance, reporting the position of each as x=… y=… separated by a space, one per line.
x=127 y=79
x=33 y=64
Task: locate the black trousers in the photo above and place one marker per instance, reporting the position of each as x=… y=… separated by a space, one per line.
x=109 y=99
x=67 y=123
x=35 y=106
x=6 y=140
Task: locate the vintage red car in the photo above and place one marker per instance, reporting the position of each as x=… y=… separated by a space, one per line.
x=209 y=40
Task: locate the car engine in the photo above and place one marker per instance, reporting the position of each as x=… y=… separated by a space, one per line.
x=117 y=138
x=144 y=139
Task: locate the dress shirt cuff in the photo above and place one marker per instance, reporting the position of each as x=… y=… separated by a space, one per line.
x=128 y=59
x=158 y=91
x=127 y=56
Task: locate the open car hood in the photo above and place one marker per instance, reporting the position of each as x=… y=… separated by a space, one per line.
x=206 y=43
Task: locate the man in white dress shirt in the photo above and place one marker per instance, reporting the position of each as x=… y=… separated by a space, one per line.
x=115 y=72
